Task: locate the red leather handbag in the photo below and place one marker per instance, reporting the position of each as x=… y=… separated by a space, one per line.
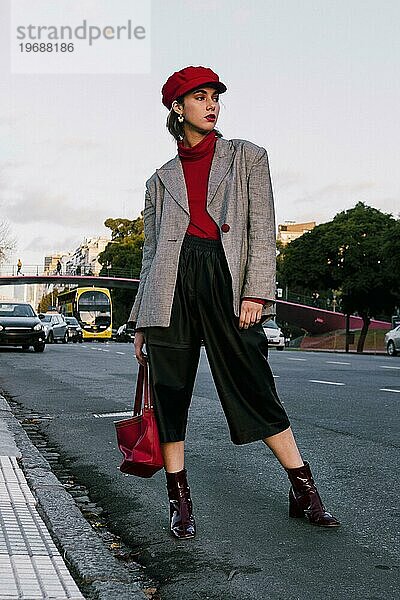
x=138 y=437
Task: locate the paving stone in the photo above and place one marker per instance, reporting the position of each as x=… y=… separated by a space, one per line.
x=8 y=446
x=30 y=565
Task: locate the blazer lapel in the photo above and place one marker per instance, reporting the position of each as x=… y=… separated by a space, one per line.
x=172 y=176
x=222 y=160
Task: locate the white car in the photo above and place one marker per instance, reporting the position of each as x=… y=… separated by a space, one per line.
x=274 y=335
x=392 y=341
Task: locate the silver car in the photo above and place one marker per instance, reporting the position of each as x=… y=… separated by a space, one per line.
x=274 y=335
x=55 y=326
x=392 y=341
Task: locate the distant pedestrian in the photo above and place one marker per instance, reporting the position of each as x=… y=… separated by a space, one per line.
x=19 y=267
x=58 y=268
x=209 y=273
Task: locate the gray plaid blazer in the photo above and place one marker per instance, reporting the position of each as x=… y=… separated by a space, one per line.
x=239 y=195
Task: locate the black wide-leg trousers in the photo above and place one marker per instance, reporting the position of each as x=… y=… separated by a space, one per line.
x=202 y=309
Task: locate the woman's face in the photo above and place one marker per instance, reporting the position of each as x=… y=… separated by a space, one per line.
x=199 y=107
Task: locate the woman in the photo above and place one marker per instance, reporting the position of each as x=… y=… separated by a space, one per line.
x=208 y=273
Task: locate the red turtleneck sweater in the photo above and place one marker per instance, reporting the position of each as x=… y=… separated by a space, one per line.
x=196 y=164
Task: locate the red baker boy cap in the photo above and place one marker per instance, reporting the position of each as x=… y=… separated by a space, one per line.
x=187 y=79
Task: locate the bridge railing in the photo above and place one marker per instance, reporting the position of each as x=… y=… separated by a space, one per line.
x=10 y=270
x=317 y=302
x=7 y=270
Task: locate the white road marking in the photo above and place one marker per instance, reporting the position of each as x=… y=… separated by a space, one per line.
x=275 y=376
x=336 y=362
x=387 y=367
x=327 y=382
x=297 y=359
x=389 y=390
x=114 y=414
x=104 y=350
x=120 y=353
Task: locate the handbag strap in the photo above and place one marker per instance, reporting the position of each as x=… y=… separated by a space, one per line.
x=146 y=387
x=137 y=407
x=142 y=382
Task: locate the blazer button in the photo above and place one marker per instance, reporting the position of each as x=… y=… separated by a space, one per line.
x=225 y=227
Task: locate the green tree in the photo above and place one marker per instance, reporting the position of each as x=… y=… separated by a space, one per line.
x=122 y=257
x=353 y=253
x=48 y=300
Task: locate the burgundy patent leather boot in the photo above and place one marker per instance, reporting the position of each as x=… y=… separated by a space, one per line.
x=182 y=523
x=304 y=499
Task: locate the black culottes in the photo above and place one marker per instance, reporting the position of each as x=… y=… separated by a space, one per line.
x=202 y=309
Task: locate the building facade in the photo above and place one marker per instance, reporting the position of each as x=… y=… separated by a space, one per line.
x=289 y=231
x=84 y=260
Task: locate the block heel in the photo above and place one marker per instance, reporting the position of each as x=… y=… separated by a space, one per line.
x=295 y=511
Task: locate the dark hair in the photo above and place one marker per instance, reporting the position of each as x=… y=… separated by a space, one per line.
x=176 y=128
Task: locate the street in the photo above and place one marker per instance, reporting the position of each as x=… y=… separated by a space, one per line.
x=344 y=411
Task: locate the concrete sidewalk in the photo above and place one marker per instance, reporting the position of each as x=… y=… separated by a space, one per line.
x=31 y=566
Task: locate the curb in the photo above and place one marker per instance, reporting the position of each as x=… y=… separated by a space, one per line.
x=100 y=575
x=331 y=351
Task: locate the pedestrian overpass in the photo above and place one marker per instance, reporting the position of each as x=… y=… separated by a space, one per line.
x=311 y=319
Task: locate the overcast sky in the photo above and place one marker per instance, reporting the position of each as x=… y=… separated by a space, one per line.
x=316 y=83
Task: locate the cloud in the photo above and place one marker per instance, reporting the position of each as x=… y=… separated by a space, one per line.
x=37 y=206
x=41 y=244
x=287 y=179
x=323 y=203
x=10 y=164
x=70 y=142
x=336 y=190
x=6 y=120
x=38 y=243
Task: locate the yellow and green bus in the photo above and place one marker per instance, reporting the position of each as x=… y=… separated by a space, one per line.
x=92 y=307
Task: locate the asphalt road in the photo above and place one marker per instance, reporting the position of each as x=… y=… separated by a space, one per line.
x=344 y=410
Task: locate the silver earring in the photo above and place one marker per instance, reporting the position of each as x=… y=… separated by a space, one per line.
x=180 y=118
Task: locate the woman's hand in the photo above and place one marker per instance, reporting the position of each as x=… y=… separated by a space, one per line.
x=250 y=313
x=138 y=344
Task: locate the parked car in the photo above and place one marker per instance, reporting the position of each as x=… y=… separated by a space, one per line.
x=20 y=326
x=125 y=333
x=274 y=335
x=55 y=327
x=392 y=341
x=74 y=330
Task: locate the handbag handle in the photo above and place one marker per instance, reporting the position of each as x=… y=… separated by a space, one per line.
x=142 y=381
